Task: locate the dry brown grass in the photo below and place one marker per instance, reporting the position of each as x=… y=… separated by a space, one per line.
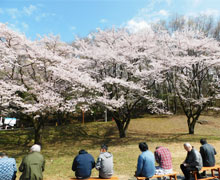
x=63 y=143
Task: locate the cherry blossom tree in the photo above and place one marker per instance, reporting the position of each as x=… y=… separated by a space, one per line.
x=8 y=76
x=125 y=68
x=192 y=62
x=37 y=82
x=114 y=69
x=24 y=67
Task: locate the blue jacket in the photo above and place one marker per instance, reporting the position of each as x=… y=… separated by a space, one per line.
x=83 y=164
x=146 y=164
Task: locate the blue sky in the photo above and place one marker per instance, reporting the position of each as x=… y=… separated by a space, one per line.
x=70 y=18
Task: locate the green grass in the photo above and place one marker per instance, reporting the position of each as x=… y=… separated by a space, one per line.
x=61 y=144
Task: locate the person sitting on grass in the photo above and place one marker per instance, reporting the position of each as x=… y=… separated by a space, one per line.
x=146 y=162
x=164 y=159
x=193 y=161
x=105 y=163
x=8 y=167
x=83 y=164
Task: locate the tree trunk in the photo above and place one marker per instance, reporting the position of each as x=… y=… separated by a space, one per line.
x=191 y=124
x=191 y=129
x=38 y=126
x=121 y=128
x=174 y=104
x=168 y=102
x=122 y=133
x=37 y=136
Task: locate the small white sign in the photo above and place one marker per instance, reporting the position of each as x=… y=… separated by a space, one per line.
x=10 y=121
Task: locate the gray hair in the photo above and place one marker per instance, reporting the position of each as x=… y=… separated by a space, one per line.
x=35 y=148
x=187 y=145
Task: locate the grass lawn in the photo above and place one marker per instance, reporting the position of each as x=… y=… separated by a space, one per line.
x=61 y=144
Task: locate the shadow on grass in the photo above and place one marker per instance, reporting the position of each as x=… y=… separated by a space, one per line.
x=166 y=137
x=89 y=136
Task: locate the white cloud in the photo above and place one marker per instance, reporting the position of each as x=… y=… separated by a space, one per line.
x=145 y=17
x=14 y=27
x=211 y=12
x=151 y=12
x=29 y=10
x=43 y=15
x=135 y=26
x=18 y=26
x=38 y=17
x=196 y=2
x=148 y=14
x=24 y=26
x=169 y=2
x=1 y=11
x=13 y=12
x=163 y=13
x=72 y=28
x=208 y=12
x=152 y=3
x=16 y=13
x=103 y=21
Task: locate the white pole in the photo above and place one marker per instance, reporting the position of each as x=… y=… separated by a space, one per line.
x=1 y=123
x=106 y=115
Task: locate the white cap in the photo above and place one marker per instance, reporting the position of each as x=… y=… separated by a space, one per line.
x=35 y=148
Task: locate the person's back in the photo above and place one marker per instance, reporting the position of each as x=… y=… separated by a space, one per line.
x=83 y=164
x=146 y=162
x=164 y=159
x=208 y=154
x=8 y=168
x=194 y=159
x=32 y=166
x=105 y=163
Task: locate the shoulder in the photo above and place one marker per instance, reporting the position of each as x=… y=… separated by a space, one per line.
x=195 y=151
x=211 y=146
x=141 y=155
x=12 y=160
x=202 y=147
x=89 y=155
x=101 y=155
x=34 y=155
x=110 y=154
x=158 y=151
x=41 y=155
x=149 y=153
x=25 y=158
x=76 y=157
x=146 y=153
x=8 y=160
x=28 y=157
